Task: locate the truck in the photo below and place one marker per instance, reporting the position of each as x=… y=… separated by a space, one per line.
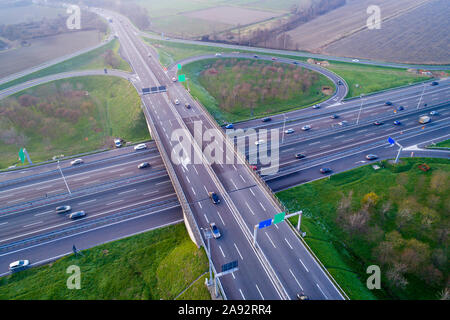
x=424 y=119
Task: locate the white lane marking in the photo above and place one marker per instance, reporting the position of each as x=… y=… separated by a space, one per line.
x=242 y=294
x=162 y=182
x=193 y=190
x=222 y=251
x=32 y=224
x=252 y=192
x=123 y=192
x=206 y=218
x=235 y=169
x=296 y=279
x=81 y=203
x=303 y=265
x=187 y=178
x=234 y=184
x=114 y=202
x=242 y=177
x=321 y=291
x=84 y=178
x=288 y=243
x=262 y=206
x=46 y=187
x=270 y=240
x=195 y=170
x=148 y=193
x=233 y=275
x=40 y=214
x=348 y=140
x=259 y=291
x=206 y=190
x=220 y=218
x=110 y=171
x=240 y=255
x=313 y=143
x=11 y=201
x=200 y=205
x=249 y=208
x=3 y=223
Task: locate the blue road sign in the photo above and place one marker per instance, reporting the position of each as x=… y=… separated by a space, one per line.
x=391 y=141
x=230 y=265
x=265 y=223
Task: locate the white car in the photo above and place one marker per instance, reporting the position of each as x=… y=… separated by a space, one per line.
x=316 y=106
x=433 y=113
x=174 y=79
x=307 y=127
x=117 y=143
x=259 y=142
x=19 y=264
x=289 y=131
x=177 y=102
x=218 y=54
x=140 y=146
x=355 y=60
x=76 y=161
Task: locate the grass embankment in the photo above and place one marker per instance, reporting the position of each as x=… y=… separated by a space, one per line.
x=443 y=144
x=367 y=78
x=396 y=217
x=106 y=56
x=59 y=118
x=155 y=265
x=241 y=89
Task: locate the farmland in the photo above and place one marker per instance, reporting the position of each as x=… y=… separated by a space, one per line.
x=158 y=264
x=418 y=36
x=231 y=15
x=53 y=118
x=227 y=87
x=395 y=217
x=27 y=13
x=46 y=49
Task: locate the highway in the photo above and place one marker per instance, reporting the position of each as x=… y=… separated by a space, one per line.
x=280 y=266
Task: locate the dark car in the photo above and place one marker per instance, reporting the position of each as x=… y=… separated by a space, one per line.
x=325 y=170
x=143 y=165
x=434 y=83
x=266 y=119
x=295 y=62
x=371 y=157
x=334 y=116
x=397 y=123
x=214 y=197
x=106 y=71
x=400 y=108
x=378 y=123
x=388 y=103
x=340 y=83
x=255 y=56
x=63 y=209
x=187 y=105
x=299 y=155
x=76 y=215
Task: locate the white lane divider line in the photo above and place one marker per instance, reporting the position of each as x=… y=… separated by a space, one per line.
x=303 y=265
x=288 y=243
x=234 y=184
x=207 y=221
x=187 y=178
x=262 y=206
x=222 y=251
x=40 y=214
x=259 y=291
x=123 y=192
x=220 y=217
x=242 y=177
x=114 y=202
x=321 y=291
x=249 y=208
x=252 y=192
x=242 y=294
x=193 y=190
x=296 y=279
x=200 y=205
x=32 y=224
x=240 y=255
x=89 y=201
x=270 y=240
x=149 y=193
x=3 y=223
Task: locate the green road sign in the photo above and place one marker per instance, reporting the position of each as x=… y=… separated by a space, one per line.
x=279 y=217
x=179 y=66
x=22 y=156
x=182 y=78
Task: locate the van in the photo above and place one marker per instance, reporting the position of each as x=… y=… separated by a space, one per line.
x=424 y=119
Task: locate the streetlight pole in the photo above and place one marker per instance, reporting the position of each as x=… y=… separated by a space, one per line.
x=64 y=178
x=420 y=100
x=360 y=108
x=284 y=127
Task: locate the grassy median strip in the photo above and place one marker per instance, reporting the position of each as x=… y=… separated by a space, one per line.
x=155 y=265
x=395 y=217
x=106 y=56
x=440 y=145
x=68 y=117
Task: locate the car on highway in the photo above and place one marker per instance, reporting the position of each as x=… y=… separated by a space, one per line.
x=434 y=113
x=76 y=161
x=325 y=170
x=255 y=56
x=117 y=143
x=316 y=106
x=340 y=83
x=187 y=105
x=63 y=209
x=343 y=123
x=378 y=123
x=77 y=215
x=214 y=230
x=176 y=101
x=397 y=123
x=254 y=168
x=355 y=60
x=289 y=131
x=273 y=58
x=218 y=54
x=400 y=108
x=295 y=62
x=143 y=165
x=299 y=155
x=424 y=119
x=174 y=79
x=266 y=119
x=229 y=126
x=371 y=156
x=302 y=296
x=388 y=103
x=259 y=142
x=214 y=197
x=334 y=116
x=434 y=83
x=306 y=127
x=140 y=146
x=18 y=265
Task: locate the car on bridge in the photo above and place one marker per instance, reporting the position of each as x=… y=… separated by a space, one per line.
x=307 y=127
x=254 y=168
x=299 y=155
x=76 y=161
x=397 y=123
x=143 y=165
x=289 y=131
x=77 y=215
x=371 y=156
x=214 y=197
x=18 y=265
x=63 y=209
x=140 y=146
x=325 y=170
x=214 y=230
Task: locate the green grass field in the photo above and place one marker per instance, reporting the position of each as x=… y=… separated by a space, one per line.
x=58 y=118
x=94 y=59
x=286 y=87
x=442 y=144
x=368 y=78
x=396 y=217
x=154 y=265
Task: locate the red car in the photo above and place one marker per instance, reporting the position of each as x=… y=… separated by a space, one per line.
x=254 y=167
